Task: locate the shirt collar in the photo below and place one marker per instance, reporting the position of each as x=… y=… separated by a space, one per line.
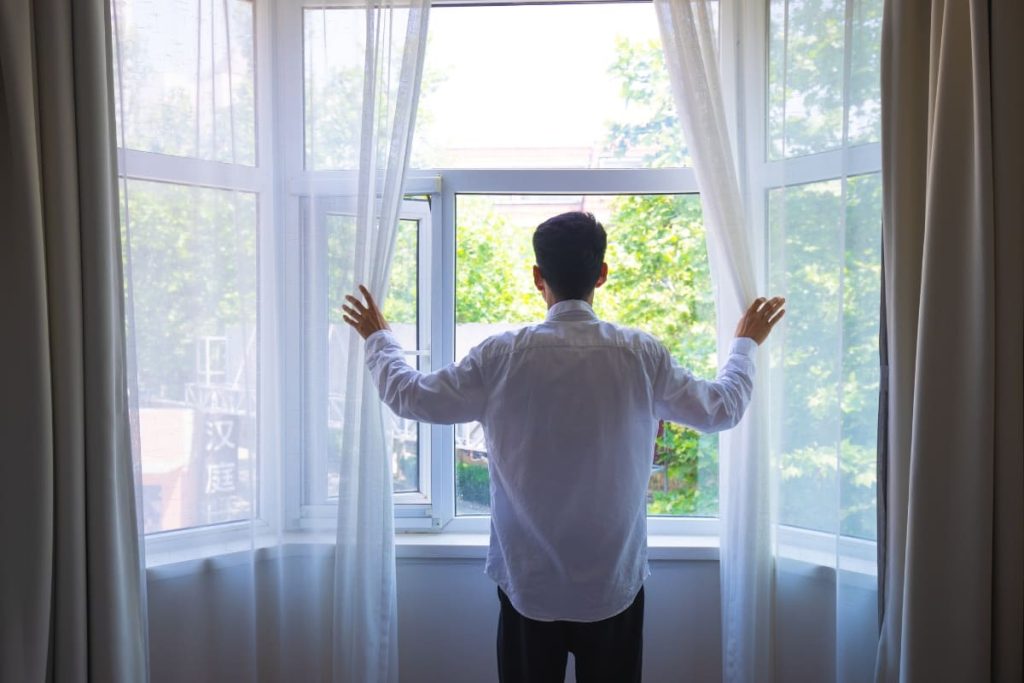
x=571 y=310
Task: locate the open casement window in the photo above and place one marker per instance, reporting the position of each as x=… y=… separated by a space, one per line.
x=328 y=248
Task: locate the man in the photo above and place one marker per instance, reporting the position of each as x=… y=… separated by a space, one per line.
x=570 y=408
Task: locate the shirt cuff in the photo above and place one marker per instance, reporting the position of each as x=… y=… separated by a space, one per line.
x=377 y=339
x=744 y=346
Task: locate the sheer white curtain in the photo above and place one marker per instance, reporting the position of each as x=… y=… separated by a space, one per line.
x=688 y=36
x=366 y=618
x=265 y=458
x=797 y=475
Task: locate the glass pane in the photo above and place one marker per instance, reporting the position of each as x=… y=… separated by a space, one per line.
x=825 y=258
x=333 y=50
x=334 y=42
x=807 y=103
x=776 y=108
x=184 y=76
x=864 y=117
x=659 y=281
x=587 y=89
x=806 y=70
x=862 y=291
x=190 y=269
x=401 y=311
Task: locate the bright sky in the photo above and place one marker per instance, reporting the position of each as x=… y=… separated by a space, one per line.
x=528 y=75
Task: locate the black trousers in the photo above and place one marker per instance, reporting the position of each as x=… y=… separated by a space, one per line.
x=606 y=651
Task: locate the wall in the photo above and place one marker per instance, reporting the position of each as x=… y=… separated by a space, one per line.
x=206 y=626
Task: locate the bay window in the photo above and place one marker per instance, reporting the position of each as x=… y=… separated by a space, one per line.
x=239 y=130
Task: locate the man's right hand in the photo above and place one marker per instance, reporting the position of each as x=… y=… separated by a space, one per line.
x=760 y=318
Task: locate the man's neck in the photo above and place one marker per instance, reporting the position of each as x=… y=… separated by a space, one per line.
x=589 y=299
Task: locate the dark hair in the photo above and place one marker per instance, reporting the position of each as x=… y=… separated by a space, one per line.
x=570 y=250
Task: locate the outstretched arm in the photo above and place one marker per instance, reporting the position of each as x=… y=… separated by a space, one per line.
x=453 y=394
x=714 y=405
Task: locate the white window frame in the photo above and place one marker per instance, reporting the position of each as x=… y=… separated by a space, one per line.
x=317 y=510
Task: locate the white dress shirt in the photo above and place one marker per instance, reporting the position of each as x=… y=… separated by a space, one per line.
x=570 y=411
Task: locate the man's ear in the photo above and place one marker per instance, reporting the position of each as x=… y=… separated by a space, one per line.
x=538 y=279
x=603 y=277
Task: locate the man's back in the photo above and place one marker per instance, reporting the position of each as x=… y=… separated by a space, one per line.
x=570 y=431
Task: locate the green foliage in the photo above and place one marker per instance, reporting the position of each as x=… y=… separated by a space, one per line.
x=643 y=84
x=828 y=351
x=493 y=276
x=659 y=279
x=691 y=461
x=193 y=275
x=473 y=483
x=400 y=305
x=806 y=75
x=658 y=275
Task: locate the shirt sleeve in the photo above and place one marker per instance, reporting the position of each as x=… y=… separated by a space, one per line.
x=450 y=395
x=706 y=405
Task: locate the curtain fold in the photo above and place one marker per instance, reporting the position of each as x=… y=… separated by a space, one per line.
x=366 y=611
x=746 y=563
x=72 y=602
x=951 y=106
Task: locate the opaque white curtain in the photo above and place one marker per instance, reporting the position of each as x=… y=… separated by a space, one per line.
x=72 y=605
x=952 y=99
x=265 y=457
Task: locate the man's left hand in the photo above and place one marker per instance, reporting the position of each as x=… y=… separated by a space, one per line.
x=365 y=318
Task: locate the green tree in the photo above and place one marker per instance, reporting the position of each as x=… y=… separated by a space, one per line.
x=659 y=277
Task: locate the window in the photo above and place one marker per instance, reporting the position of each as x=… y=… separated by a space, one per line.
x=658 y=280
x=327 y=267
x=591 y=91
x=504 y=140
x=190 y=213
x=823 y=231
x=239 y=125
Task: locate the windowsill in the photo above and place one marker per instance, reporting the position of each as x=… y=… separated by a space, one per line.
x=473 y=546
x=194 y=551
x=799 y=551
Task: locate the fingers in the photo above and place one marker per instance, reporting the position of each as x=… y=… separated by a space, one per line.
x=356 y=303
x=369 y=297
x=364 y=318
x=771 y=306
x=776 y=319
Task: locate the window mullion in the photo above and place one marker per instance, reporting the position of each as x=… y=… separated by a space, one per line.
x=188 y=171
x=442 y=348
